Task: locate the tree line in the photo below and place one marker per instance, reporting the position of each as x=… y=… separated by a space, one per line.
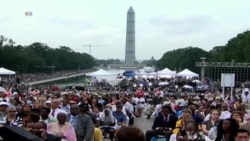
x=236 y=49
x=39 y=57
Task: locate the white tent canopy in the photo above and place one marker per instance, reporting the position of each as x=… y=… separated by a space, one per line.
x=148 y=69
x=143 y=74
x=100 y=72
x=110 y=76
x=187 y=73
x=4 y=71
x=166 y=72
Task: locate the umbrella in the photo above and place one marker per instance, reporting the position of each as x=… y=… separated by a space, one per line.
x=129 y=74
x=148 y=69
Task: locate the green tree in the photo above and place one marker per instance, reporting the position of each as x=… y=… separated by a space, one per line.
x=182 y=58
x=39 y=57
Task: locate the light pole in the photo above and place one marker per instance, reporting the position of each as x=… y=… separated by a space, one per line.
x=89 y=46
x=203 y=61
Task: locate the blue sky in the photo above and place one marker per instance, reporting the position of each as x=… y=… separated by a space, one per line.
x=161 y=25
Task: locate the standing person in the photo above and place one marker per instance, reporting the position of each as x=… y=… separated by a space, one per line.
x=140 y=102
x=149 y=109
x=65 y=105
x=62 y=128
x=246 y=98
x=82 y=123
x=44 y=115
x=84 y=109
x=55 y=108
x=129 y=110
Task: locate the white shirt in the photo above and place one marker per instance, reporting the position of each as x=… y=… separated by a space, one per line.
x=157 y=109
x=223 y=115
x=129 y=107
x=57 y=111
x=245 y=98
x=140 y=102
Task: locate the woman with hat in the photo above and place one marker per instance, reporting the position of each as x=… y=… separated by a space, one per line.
x=3 y=110
x=12 y=119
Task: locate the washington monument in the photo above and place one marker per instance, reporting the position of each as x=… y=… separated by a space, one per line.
x=130 y=38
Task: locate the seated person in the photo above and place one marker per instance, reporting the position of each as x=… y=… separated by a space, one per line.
x=191 y=133
x=163 y=123
x=107 y=123
x=120 y=117
x=180 y=124
x=213 y=121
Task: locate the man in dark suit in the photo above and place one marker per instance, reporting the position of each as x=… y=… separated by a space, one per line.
x=163 y=124
x=82 y=124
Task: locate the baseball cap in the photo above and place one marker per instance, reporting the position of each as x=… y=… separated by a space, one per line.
x=4 y=103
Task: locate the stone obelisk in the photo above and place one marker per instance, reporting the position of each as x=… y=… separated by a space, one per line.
x=130 y=38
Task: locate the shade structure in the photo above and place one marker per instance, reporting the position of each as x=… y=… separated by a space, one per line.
x=187 y=73
x=166 y=71
x=100 y=72
x=4 y=71
x=143 y=74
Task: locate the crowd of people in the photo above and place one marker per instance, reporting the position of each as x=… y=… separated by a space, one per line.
x=73 y=115
x=33 y=77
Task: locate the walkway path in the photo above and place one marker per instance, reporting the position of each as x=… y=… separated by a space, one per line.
x=143 y=123
x=55 y=79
